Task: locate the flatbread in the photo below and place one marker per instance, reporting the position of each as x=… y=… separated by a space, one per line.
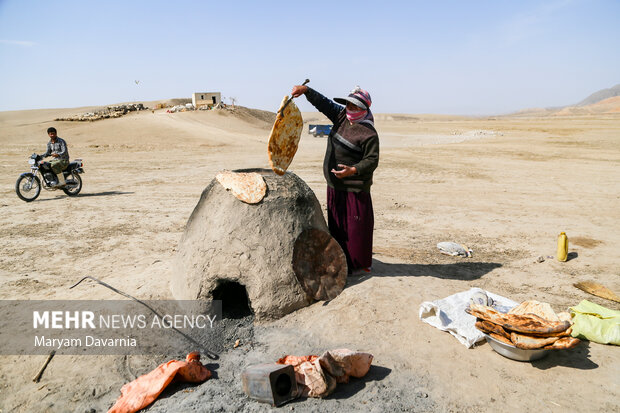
x=284 y=137
x=248 y=187
x=527 y=324
x=542 y=310
x=526 y=342
x=563 y=344
x=501 y=338
x=565 y=333
x=565 y=316
x=489 y=327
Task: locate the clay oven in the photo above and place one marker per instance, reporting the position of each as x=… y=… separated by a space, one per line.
x=269 y=258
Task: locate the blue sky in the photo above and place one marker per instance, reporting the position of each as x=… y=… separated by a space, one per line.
x=453 y=57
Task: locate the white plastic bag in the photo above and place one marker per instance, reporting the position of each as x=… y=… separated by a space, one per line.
x=452 y=248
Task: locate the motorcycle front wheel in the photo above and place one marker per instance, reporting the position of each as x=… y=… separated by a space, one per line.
x=74 y=184
x=28 y=187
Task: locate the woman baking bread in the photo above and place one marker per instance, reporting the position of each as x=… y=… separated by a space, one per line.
x=351 y=157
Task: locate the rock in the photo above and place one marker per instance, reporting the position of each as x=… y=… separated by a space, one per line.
x=108 y=112
x=277 y=255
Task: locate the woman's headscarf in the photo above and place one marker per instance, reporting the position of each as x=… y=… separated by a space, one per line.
x=360 y=98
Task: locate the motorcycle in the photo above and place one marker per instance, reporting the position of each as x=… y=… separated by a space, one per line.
x=28 y=185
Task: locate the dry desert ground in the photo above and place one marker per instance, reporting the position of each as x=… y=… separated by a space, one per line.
x=504 y=186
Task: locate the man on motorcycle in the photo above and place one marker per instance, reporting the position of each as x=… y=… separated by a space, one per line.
x=57 y=148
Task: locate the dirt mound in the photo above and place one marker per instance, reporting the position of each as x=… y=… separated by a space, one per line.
x=174 y=102
x=262 y=118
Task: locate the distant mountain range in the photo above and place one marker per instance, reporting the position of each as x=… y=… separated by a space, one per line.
x=605 y=101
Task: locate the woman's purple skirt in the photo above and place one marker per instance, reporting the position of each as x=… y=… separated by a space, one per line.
x=351 y=221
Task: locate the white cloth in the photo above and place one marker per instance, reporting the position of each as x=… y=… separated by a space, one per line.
x=448 y=314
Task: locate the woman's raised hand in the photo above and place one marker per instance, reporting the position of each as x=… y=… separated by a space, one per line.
x=298 y=90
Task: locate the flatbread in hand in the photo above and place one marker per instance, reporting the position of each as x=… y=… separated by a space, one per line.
x=284 y=137
x=247 y=187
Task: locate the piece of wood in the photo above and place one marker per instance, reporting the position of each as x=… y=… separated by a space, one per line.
x=597 y=289
x=47 y=361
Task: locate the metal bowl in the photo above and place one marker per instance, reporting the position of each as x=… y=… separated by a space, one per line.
x=515 y=353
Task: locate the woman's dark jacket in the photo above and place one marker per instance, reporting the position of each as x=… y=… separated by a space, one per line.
x=348 y=144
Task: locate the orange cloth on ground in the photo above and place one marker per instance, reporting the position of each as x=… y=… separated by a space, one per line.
x=296 y=360
x=145 y=389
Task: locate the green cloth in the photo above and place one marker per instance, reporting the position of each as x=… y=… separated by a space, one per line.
x=58 y=165
x=596 y=323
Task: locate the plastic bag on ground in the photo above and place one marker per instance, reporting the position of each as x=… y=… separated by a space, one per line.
x=596 y=323
x=145 y=389
x=452 y=248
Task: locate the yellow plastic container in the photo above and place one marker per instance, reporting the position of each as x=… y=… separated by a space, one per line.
x=562 y=253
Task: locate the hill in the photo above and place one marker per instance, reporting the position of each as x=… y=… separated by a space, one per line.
x=602 y=94
x=602 y=102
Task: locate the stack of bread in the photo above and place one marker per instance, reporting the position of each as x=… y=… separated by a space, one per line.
x=530 y=325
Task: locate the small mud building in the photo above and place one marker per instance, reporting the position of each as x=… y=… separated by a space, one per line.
x=206 y=99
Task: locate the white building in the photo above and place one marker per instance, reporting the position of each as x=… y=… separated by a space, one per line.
x=206 y=98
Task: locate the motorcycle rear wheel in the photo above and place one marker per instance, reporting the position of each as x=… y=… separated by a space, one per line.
x=73 y=189
x=28 y=187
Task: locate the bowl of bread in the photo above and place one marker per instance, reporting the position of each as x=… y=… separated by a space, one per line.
x=526 y=332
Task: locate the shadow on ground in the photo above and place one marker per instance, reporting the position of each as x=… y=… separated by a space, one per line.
x=455 y=271
x=347 y=390
x=86 y=195
x=577 y=358
x=344 y=391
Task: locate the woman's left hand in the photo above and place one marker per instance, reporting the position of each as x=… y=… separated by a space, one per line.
x=344 y=171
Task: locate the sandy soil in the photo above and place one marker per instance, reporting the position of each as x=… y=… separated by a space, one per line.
x=503 y=186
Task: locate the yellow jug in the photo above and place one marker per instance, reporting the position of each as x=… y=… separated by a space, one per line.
x=562 y=253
